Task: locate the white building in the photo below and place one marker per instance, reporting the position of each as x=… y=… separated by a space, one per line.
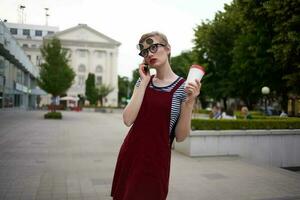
x=90 y=52
x=17 y=73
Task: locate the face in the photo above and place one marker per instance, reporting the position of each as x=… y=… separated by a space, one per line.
x=154 y=52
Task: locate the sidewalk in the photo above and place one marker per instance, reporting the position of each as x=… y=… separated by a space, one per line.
x=74 y=158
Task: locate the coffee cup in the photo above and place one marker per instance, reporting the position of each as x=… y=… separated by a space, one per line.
x=195 y=72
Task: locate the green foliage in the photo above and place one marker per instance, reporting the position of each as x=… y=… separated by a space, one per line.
x=135 y=77
x=53 y=115
x=124 y=88
x=90 y=89
x=285 y=16
x=250 y=45
x=240 y=124
x=214 y=41
x=56 y=76
x=102 y=91
x=181 y=63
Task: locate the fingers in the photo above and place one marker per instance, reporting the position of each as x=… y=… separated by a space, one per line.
x=144 y=75
x=193 y=88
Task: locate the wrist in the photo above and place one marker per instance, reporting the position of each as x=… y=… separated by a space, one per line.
x=144 y=83
x=190 y=103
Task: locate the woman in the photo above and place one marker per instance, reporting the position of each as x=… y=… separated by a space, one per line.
x=160 y=109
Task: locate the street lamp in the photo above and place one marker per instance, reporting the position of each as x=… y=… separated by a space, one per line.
x=265 y=91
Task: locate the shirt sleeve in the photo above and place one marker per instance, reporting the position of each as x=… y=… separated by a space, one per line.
x=183 y=93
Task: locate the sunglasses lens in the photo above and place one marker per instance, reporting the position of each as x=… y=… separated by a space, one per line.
x=149 y=41
x=140 y=47
x=144 y=53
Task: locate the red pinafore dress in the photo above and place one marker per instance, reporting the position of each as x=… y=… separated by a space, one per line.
x=143 y=165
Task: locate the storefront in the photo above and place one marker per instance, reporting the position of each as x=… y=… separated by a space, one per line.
x=17 y=73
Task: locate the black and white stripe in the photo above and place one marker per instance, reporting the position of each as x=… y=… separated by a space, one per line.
x=178 y=97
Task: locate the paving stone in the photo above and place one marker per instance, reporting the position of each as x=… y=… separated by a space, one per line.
x=74 y=158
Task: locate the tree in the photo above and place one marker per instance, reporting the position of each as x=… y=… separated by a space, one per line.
x=90 y=89
x=214 y=41
x=181 y=63
x=124 y=89
x=103 y=91
x=285 y=16
x=56 y=76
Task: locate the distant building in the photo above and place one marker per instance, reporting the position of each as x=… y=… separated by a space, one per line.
x=17 y=73
x=90 y=52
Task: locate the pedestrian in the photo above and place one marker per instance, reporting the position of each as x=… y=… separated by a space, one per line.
x=160 y=110
x=228 y=114
x=245 y=113
x=216 y=111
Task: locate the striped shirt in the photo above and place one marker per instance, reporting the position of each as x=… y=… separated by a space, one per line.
x=178 y=97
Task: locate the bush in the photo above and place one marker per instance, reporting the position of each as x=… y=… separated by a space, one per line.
x=202 y=111
x=239 y=124
x=53 y=115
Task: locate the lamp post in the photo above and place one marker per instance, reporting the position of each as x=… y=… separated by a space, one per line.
x=265 y=91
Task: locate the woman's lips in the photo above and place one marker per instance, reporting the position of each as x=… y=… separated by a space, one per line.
x=152 y=61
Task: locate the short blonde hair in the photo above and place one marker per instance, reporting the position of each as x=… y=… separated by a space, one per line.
x=245 y=109
x=162 y=36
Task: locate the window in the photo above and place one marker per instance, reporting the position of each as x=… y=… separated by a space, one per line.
x=81 y=68
x=38 y=60
x=33 y=45
x=98 y=80
x=19 y=76
x=81 y=80
x=38 y=33
x=25 y=45
x=99 y=69
x=50 y=32
x=2 y=66
x=29 y=57
x=14 y=31
x=26 y=32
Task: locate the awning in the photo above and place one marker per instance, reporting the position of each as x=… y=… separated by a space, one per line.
x=38 y=91
x=69 y=98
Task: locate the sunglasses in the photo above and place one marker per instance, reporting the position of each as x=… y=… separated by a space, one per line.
x=153 y=49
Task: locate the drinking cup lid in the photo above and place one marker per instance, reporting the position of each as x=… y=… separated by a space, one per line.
x=198 y=67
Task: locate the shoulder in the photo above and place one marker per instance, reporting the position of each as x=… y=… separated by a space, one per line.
x=180 y=90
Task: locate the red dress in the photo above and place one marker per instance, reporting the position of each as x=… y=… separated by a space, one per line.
x=143 y=165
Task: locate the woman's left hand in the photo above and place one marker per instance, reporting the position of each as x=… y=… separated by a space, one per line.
x=193 y=90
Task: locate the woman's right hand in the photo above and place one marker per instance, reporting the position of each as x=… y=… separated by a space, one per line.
x=144 y=75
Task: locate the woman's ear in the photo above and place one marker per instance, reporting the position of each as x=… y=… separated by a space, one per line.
x=168 y=47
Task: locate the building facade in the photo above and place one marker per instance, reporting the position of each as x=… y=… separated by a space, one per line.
x=90 y=52
x=17 y=73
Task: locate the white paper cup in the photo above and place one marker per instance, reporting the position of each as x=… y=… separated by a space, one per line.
x=196 y=72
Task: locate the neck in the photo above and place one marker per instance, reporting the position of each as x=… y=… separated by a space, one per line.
x=165 y=72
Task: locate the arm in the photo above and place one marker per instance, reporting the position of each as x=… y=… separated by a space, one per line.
x=132 y=109
x=183 y=126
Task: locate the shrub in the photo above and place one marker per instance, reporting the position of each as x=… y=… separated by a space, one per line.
x=53 y=115
x=212 y=124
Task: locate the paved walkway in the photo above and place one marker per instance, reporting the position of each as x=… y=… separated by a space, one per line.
x=74 y=159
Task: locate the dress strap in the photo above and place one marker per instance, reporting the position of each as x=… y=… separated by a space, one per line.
x=151 y=78
x=178 y=84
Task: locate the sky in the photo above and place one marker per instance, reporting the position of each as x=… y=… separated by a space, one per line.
x=121 y=20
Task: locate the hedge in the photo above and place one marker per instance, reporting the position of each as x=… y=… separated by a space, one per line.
x=53 y=115
x=241 y=124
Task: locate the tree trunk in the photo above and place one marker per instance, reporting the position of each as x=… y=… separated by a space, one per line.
x=225 y=103
x=284 y=101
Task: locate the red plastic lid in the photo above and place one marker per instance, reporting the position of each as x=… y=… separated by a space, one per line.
x=198 y=67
